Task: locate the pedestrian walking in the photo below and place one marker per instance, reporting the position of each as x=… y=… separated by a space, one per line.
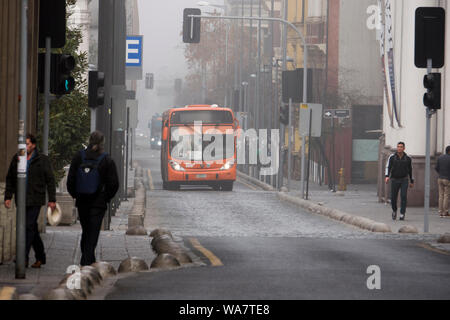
x=443 y=169
x=399 y=172
x=93 y=181
x=40 y=178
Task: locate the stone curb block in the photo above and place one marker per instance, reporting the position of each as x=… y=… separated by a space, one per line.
x=357 y=221
x=165 y=261
x=445 y=238
x=132 y=264
x=105 y=269
x=159 y=232
x=136 y=231
x=60 y=294
x=256 y=182
x=163 y=242
x=408 y=229
x=137 y=213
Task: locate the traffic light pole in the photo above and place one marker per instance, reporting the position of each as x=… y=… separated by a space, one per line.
x=290 y=135
x=48 y=63
x=22 y=150
x=429 y=115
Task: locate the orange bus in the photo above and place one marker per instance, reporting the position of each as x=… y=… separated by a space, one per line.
x=182 y=163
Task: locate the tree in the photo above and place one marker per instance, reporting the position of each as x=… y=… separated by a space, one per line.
x=69 y=115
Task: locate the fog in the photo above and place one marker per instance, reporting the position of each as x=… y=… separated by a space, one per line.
x=161 y=25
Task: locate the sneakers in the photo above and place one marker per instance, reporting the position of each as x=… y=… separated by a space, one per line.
x=402 y=217
x=394 y=215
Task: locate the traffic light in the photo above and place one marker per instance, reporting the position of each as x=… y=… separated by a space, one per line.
x=432 y=82
x=284 y=114
x=96 y=95
x=178 y=85
x=149 y=80
x=191 y=25
x=61 y=80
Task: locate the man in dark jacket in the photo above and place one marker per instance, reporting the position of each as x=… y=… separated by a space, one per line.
x=443 y=169
x=39 y=179
x=399 y=171
x=92 y=205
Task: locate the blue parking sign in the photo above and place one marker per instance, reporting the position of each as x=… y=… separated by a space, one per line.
x=134 y=51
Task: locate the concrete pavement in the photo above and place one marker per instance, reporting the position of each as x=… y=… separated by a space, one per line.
x=362 y=200
x=62 y=246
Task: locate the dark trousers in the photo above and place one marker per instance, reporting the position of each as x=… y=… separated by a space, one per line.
x=396 y=185
x=91 y=222
x=32 y=238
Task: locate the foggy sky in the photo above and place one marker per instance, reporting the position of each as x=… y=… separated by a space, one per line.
x=161 y=25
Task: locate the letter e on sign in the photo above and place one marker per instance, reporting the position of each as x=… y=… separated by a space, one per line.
x=133 y=53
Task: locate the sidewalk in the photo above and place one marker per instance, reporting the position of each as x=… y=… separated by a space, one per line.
x=362 y=200
x=62 y=246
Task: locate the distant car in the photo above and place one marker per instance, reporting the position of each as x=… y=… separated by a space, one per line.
x=155 y=142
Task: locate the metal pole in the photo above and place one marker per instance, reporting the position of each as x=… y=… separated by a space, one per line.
x=429 y=114
x=241 y=61
x=93 y=119
x=333 y=177
x=289 y=146
x=309 y=154
x=48 y=63
x=22 y=165
x=226 y=63
x=126 y=156
x=303 y=166
x=258 y=74
x=282 y=126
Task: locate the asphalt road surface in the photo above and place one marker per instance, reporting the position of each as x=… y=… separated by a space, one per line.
x=258 y=247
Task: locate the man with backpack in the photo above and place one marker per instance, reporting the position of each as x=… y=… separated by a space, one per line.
x=93 y=181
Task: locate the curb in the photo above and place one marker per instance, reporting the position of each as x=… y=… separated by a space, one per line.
x=356 y=221
x=256 y=182
x=137 y=212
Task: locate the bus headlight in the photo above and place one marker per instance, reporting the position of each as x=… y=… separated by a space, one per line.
x=153 y=139
x=159 y=142
x=176 y=166
x=228 y=165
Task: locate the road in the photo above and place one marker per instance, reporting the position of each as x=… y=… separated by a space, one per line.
x=273 y=250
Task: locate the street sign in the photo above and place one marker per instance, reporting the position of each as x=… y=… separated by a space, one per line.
x=328 y=114
x=336 y=113
x=316 y=122
x=134 y=51
x=342 y=113
x=134 y=57
x=429 y=37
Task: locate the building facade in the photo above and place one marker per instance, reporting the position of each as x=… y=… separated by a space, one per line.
x=409 y=124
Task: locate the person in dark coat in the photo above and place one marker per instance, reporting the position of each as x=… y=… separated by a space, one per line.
x=40 y=178
x=443 y=169
x=92 y=207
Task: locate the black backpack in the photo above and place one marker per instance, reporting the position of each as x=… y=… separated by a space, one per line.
x=88 y=176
